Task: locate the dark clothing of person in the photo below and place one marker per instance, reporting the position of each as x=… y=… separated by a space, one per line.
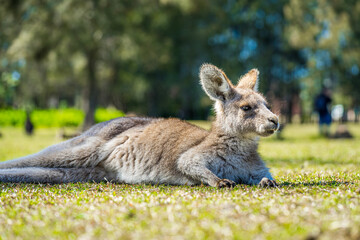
x=322 y=102
x=29 y=126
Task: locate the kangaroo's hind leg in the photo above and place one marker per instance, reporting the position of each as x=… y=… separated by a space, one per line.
x=54 y=175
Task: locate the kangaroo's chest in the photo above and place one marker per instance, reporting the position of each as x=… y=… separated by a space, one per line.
x=238 y=166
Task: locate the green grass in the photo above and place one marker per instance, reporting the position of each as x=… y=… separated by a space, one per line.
x=318 y=197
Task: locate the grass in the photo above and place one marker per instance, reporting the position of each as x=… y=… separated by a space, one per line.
x=318 y=197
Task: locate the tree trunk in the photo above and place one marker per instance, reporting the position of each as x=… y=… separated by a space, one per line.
x=90 y=93
x=289 y=109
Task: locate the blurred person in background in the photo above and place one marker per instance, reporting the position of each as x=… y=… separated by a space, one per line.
x=322 y=106
x=29 y=126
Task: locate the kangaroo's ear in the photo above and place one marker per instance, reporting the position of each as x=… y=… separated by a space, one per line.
x=215 y=83
x=249 y=80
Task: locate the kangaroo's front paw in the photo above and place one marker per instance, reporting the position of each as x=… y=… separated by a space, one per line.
x=225 y=183
x=265 y=182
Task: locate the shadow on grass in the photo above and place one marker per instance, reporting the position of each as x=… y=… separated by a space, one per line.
x=316 y=184
x=309 y=161
x=311 y=138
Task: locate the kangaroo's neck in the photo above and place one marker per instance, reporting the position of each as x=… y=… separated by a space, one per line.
x=223 y=127
x=234 y=142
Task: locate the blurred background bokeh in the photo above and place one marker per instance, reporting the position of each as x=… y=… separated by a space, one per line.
x=141 y=57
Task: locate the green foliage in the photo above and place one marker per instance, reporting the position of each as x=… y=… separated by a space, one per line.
x=57 y=118
x=68 y=117
x=318 y=198
x=105 y=114
x=42 y=118
x=9 y=117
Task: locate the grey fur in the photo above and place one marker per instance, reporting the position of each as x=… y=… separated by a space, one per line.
x=164 y=151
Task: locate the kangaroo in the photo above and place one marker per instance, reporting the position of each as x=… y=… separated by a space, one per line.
x=165 y=151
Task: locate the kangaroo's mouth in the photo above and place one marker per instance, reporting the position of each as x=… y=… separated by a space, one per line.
x=270 y=131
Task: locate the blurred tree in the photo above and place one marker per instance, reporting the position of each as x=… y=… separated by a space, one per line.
x=9 y=77
x=144 y=56
x=70 y=37
x=348 y=60
x=327 y=34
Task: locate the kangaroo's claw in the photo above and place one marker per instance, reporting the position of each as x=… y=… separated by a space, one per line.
x=226 y=183
x=265 y=182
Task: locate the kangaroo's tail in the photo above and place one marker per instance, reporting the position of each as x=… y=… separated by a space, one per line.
x=54 y=175
x=77 y=152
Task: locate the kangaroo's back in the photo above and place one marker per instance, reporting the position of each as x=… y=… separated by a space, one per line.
x=109 y=129
x=167 y=139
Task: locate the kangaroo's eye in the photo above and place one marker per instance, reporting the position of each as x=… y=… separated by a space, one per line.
x=268 y=107
x=246 y=108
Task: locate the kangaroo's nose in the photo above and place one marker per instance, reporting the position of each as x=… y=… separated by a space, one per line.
x=275 y=121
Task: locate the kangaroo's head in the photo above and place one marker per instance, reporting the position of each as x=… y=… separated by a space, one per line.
x=240 y=110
